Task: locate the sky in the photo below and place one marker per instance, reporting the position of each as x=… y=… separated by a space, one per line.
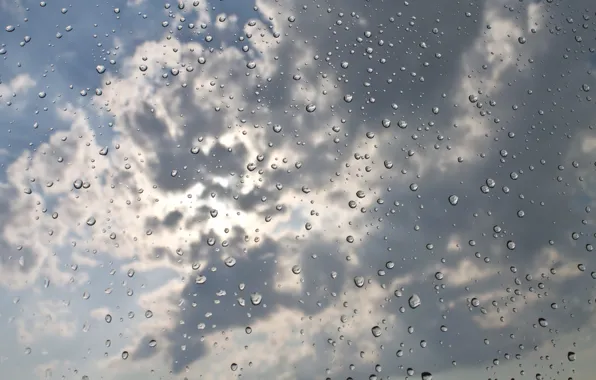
x=297 y=190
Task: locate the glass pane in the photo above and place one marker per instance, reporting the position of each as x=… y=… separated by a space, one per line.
x=297 y=190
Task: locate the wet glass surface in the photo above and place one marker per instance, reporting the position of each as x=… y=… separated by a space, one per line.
x=297 y=189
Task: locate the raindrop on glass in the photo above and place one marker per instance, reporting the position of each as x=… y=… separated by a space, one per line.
x=414 y=301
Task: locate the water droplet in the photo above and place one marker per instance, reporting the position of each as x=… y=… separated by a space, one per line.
x=414 y=301
x=251 y=65
x=108 y=318
x=348 y=98
x=10 y=28
x=152 y=343
x=439 y=276
x=453 y=199
x=234 y=367
x=100 y=69
x=91 y=221
x=542 y=322
x=345 y=64
x=359 y=281
x=376 y=331
x=230 y=262
x=130 y=273
x=571 y=356
x=311 y=108
x=104 y=151
x=124 y=355
x=42 y=94
x=256 y=298
x=148 y=314
x=426 y=376
x=386 y=123
x=296 y=269
x=402 y=124
x=511 y=245
x=521 y=40
x=213 y=213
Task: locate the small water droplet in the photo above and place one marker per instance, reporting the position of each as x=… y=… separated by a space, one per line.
x=296 y=269
x=91 y=221
x=376 y=331
x=100 y=69
x=453 y=199
x=311 y=108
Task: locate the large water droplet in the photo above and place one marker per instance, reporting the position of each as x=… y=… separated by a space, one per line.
x=359 y=281
x=230 y=262
x=256 y=298
x=414 y=301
